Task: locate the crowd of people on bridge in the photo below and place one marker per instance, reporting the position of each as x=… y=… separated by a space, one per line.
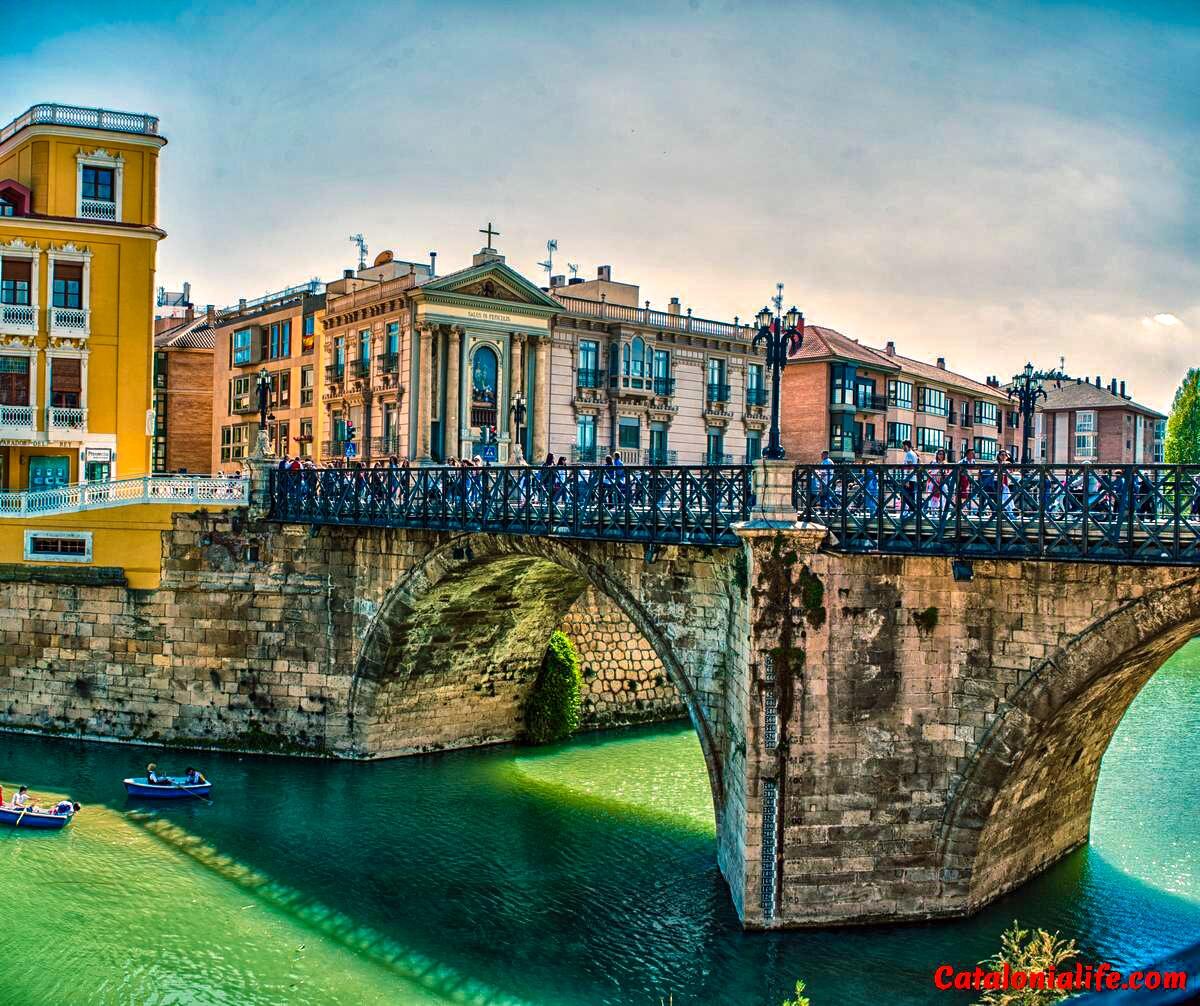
x=986 y=490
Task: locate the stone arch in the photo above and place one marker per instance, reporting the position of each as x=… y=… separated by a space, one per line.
x=550 y=564
x=1025 y=795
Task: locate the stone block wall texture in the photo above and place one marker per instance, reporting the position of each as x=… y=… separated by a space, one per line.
x=624 y=680
x=918 y=746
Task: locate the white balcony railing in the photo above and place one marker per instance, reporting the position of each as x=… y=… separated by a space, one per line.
x=65 y=424
x=18 y=319
x=79 y=115
x=97 y=209
x=16 y=422
x=72 y=321
x=186 y=490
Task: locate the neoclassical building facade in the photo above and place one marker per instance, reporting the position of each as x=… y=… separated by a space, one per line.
x=482 y=362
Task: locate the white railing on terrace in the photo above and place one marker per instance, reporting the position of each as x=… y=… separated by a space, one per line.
x=72 y=320
x=66 y=422
x=97 y=209
x=310 y=289
x=653 y=319
x=16 y=421
x=81 y=115
x=198 y=490
x=18 y=319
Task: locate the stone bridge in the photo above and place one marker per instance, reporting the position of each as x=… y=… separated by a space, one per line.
x=884 y=739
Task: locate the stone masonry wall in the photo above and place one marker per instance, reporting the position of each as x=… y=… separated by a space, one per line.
x=624 y=680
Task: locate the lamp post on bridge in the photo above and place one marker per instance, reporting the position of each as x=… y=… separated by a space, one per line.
x=777 y=331
x=1026 y=389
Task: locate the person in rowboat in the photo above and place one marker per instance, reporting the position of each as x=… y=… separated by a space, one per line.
x=64 y=807
x=154 y=779
x=22 y=800
x=194 y=777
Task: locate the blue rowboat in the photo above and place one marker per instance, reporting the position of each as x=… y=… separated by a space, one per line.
x=36 y=819
x=178 y=790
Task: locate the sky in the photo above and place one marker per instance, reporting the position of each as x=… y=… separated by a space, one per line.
x=986 y=181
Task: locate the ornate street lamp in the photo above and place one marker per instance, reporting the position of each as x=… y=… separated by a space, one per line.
x=1026 y=389
x=777 y=332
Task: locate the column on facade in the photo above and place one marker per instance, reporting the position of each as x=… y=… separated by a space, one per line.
x=424 y=391
x=541 y=398
x=518 y=387
x=453 y=384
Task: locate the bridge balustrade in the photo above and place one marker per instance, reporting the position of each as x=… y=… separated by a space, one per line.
x=648 y=504
x=1113 y=513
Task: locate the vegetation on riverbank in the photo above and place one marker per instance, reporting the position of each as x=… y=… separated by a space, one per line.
x=552 y=711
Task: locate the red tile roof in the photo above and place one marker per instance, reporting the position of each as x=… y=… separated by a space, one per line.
x=826 y=343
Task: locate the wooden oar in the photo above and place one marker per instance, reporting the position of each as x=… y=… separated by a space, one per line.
x=198 y=796
x=20 y=817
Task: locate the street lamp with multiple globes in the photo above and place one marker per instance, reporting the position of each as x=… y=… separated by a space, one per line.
x=1026 y=389
x=777 y=332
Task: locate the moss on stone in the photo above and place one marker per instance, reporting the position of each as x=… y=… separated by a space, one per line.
x=927 y=620
x=553 y=708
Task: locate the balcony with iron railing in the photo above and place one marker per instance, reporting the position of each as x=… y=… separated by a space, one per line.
x=660 y=457
x=65 y=423
x=17 y=422
x=385 y=446
x=713 y=458
x=389 y=363
x=870 y=448
x=589 y=378
x=69 y=321
x=756 y=396
x=653 y=319
x=18 y=319
x=360 y=368
x=866 y=401
x=81 y=116
x=663 y=386
x=717 y=393
x=334 y=448
x=335 y=373
x=584 y=455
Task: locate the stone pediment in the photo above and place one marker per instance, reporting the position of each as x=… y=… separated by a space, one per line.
x=492 y=281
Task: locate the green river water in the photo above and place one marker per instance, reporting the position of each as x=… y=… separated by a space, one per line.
x=581 y=874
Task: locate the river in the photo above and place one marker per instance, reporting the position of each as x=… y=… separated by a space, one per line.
x=580 y=874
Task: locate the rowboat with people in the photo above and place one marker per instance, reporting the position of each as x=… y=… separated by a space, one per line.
x=24 y=813
x=156 y=786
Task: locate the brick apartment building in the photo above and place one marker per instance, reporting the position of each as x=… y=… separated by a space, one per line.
x=858 y=402
x=278 y=333
x=1081 y=421
x=183 y=393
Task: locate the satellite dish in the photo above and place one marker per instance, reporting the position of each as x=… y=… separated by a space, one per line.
x=383 y=258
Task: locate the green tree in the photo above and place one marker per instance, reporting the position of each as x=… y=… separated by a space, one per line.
x=1028 y=950
x=552 y=711
x=801 y=999
x=1182 y=446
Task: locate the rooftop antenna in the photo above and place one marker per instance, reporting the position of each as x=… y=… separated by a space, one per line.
x=358 y=239
x=574 y=269
x=548 y=265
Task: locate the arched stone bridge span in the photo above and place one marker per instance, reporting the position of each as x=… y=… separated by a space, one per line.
x=884 y=741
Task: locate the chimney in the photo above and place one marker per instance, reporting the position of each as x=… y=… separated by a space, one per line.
x=346 y=274
x=189 y=313
x=574 y=280
x=1097 y=380
x=557 y=281
x=187 y=293
x=1123 y=395
x=211 y=312
x=673 y=307
x=604 y=272
x=432 y=264
x=890 y=349
x=241 y=303
x=941 y=363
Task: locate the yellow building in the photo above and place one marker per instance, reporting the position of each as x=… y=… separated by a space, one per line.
x=78 y=238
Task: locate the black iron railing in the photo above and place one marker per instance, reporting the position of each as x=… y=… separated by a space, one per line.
x=718 y=393
x=1147 y=514
x=389 y=363
x=587 y=378
x=663 y=385
x=360 y=367
x=690 y=506
x=756 y=396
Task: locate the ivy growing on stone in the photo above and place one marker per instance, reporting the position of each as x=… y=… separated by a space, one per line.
x=552 y=710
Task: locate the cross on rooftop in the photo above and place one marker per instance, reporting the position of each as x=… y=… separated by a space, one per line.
x=490 y=234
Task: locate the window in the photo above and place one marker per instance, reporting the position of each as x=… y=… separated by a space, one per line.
x=66 y=376
x=930 y=439
x=364 y=345
x=307 y=385
x=239 y=395
x=715 y=446
x=67 y=288
x=304 y=441
x=6 y=208
x=233 y=442
x=718 y=390
x=898 y=433
x=756 y=392
x=841 y=384
x=1085 y=421
x=98 y=184
x=339 y=353
x=634 y=358
x=281 y=390
x=58 y=546
x=986 y=414
x=663 y=385
x=241 y=347
x=281 y=341
x=753 y=446
x=900 y=394
x=933 y=401
x=588 y=375
x=864 y=393
x=1085 y=446
x=629 y=433
x=308 y=334
x=1014 y=419
x=985 y=448
x=659 y=452
x=282 y=440
x=585 y=438
x=15 y=285
x=14 y=380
